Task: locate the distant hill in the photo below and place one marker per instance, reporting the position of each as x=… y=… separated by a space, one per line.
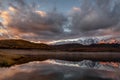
x=74 y=47
x=89 y=48
x=22 y=44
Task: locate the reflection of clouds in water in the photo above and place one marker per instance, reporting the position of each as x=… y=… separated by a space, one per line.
x=50 y=71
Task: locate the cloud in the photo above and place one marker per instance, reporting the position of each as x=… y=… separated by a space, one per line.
x=95 y=15
x=25 y=19
x=22 y=18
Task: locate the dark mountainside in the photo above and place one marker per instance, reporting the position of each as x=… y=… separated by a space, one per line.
x=22 y=44
x=72 y=47
x=89 y=48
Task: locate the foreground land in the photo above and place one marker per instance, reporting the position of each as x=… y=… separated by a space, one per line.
x=9 y=57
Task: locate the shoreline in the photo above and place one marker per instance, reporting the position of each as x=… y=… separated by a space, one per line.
x=12 y=56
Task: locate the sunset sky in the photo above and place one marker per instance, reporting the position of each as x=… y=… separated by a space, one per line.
x=50 y=20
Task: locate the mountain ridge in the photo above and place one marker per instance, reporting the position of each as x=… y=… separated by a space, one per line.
x=22 y=44
x=74 y=47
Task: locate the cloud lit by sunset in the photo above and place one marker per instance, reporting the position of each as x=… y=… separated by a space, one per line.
x=42 y=13
x=46 y=21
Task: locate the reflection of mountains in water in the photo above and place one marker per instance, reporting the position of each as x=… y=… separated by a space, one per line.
x=88 y=64
x=61 y=70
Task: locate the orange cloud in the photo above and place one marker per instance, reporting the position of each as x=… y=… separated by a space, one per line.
x=12 y=9
x=41 y=13
x=6 y=17
x=76 y=9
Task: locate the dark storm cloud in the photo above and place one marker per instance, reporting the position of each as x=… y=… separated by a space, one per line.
x=33 y=22
x=91 y=18
x=27 y=19
x=96 y=14
x=21 y=2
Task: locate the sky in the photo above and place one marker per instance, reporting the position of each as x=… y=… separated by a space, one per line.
x=51 y=20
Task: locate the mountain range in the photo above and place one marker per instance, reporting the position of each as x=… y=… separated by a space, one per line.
x=75 y=47
x=89 y=41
